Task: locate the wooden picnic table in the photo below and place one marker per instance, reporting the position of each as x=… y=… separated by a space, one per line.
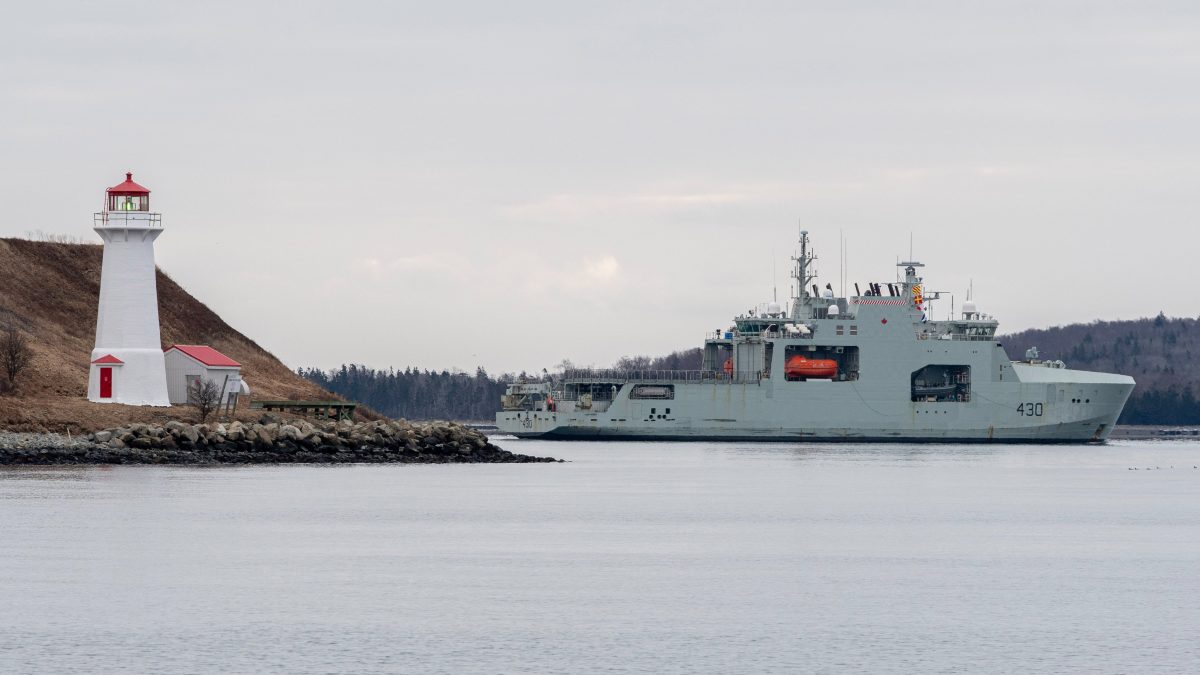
x=337 y=410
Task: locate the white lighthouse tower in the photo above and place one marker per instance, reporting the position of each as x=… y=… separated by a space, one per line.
x=127 y=363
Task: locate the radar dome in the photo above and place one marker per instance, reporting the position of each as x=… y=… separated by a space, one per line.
x=969 y=307
x=773 y=308
x=826 y=293
x=832 y=311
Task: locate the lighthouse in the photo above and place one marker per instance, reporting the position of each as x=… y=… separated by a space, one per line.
x=127 y=365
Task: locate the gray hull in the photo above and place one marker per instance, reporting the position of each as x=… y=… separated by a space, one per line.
x=740 y=412
x=889 y=374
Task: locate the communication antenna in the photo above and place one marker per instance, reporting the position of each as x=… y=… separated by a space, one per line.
x=841 y=261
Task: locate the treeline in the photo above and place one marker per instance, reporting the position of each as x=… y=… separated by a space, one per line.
x=688 y=359
x=1169 y=407
x=1157 y=352
x=432 y=395
x=416 y=394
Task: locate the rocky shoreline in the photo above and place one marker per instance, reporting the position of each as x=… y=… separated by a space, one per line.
x=271 y=440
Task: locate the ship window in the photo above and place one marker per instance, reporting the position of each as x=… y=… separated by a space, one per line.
x=938 y=383
x=841 y=330
x=854 y=330
x=653 y=392
x=668 y=411
x=653 y=410
x=820 y=362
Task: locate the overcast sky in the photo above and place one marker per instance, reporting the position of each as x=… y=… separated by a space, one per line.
x=511 y=184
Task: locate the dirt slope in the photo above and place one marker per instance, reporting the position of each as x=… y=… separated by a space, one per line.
x=50 y=291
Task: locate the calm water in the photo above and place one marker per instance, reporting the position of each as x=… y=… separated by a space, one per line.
x=633 y=557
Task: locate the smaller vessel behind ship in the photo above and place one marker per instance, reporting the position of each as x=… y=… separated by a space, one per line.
x=869 y=367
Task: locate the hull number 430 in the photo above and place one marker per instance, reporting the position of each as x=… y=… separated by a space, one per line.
x=1030 y=409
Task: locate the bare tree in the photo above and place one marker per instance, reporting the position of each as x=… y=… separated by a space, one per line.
x=206 y=396
x=14 y=354
x=633 y=363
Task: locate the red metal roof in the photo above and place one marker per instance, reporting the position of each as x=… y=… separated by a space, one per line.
x=206 y=355
x=108 y=359
x=128 y=188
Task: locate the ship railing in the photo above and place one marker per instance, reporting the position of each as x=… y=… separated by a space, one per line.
x=927 y=335
x=614 y=376
x=784 y=335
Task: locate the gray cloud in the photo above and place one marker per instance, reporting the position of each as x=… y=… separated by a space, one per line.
x=531 y=181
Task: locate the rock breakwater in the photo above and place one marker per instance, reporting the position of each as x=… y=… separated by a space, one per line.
x=271 y=440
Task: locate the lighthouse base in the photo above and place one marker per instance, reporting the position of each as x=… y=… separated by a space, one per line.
x=128 y=376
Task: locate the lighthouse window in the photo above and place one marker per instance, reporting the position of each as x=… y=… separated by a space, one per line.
x=128 y=203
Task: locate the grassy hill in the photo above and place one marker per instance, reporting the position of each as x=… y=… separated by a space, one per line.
x=50 y=292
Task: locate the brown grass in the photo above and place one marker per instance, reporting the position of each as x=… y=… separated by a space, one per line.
x=51 y=290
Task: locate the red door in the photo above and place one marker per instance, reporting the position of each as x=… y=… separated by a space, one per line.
x=106 y=383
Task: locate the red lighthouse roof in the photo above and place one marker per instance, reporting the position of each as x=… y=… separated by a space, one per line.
x=128 y=188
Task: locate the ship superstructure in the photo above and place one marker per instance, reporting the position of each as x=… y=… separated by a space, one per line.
x=867 y=367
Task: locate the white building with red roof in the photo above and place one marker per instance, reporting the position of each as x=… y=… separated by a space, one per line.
x=189 y=365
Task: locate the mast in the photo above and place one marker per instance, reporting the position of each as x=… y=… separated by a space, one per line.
x=803 y=274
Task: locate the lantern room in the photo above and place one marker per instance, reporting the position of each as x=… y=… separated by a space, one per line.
x=128 y=196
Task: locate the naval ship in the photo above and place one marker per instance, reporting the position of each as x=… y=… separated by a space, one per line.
x=869 y=367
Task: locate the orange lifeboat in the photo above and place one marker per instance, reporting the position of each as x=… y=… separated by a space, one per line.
x=800 y=367
x=728 y=366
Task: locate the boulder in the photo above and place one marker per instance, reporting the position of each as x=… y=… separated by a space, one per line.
x=191 y=433
x=264 y=437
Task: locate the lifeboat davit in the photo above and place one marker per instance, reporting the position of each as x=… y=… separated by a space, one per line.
x=798 y=366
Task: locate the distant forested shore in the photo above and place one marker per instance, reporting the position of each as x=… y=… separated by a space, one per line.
x=1157 y=352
